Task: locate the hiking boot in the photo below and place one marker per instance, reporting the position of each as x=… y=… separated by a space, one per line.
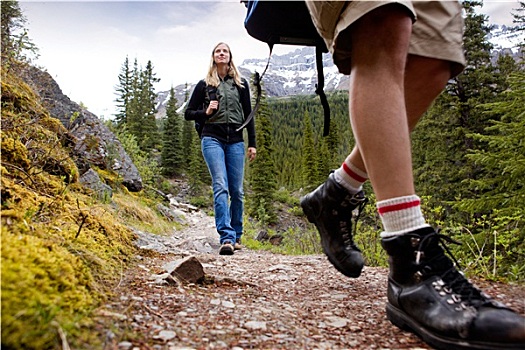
x=428 y=296
x=238 y=245
x=330 y=208
x=226 y=248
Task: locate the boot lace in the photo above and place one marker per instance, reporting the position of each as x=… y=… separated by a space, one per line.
x=455 y=283
x=355 y=201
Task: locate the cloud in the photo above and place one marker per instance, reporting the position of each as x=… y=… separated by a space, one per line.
x=500 y=10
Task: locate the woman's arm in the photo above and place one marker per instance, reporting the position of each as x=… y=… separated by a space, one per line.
x=195 y=108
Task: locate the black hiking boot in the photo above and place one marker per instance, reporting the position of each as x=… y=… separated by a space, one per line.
x=330 y=208
x=428 y=296
x=226 y=248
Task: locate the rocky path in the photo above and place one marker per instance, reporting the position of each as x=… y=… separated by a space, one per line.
x=254 y=300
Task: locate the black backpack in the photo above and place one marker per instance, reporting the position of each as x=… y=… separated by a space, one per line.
x=211 y=91
x=286 y=22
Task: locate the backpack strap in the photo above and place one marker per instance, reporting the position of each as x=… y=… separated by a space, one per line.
x=257 y=82
x=319 y=89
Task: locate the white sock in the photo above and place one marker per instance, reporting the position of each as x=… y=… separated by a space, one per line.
x=350 y=177
x=401 y=215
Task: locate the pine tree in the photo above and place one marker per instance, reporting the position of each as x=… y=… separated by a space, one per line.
x=263 y=181
x=137 y=107
x=441 y=140
x=149 y=131
x=15 y=43
x=325 y=157
x=124 y=91
x=519 y=21
x=503 y=154
x=518 y=17
x=309 y=160
x=198 y=173
x=332 y=144
x=171 y=155
x=134 y=107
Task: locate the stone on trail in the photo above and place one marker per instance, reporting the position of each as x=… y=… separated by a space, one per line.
x=188 y=270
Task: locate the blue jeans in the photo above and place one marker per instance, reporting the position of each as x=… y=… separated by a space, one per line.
x=226 y=165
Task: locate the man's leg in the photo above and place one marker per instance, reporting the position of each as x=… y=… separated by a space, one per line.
x=419 y=93
x=378 y=114
x=377 y=77
x=426 y=293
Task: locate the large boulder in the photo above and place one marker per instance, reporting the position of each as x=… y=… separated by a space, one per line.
x=93 y=143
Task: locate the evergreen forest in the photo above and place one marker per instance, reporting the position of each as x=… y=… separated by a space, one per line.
x=468 y=153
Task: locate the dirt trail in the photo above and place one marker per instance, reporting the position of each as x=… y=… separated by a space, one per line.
x=256 y=300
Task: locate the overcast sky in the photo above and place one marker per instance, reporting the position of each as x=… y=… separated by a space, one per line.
x=83 y=44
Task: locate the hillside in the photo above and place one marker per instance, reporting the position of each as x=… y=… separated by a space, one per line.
x=61 y=247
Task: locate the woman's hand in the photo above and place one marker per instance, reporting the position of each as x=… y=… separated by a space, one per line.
x=212 y=107
x=252 y=152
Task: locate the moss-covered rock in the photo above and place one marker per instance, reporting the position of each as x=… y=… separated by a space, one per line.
x=62 y=250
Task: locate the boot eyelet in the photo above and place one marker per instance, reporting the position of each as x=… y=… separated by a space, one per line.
x=456 y=298
x=417 y=276
x=436 y=286
x=414 y=241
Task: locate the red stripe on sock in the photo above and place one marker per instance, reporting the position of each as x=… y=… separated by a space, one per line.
x=352 y=174
x=397 y=207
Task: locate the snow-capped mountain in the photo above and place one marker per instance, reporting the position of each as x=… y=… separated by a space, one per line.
x=502 y=37
x=295 y=73
x=506 y=41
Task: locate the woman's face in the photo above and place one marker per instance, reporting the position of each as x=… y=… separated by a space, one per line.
x=221 y=54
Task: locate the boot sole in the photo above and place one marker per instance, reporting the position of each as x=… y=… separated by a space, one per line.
x=311 y=218
x=226 y=251
x=405 y=322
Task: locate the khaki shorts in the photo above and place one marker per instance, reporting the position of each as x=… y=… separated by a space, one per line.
x=437 y=31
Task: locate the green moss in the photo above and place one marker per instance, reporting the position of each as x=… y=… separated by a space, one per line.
x=42 y=284
x=14 y=152
x=62 y=250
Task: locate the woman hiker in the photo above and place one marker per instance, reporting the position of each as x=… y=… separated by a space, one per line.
x=221 y=103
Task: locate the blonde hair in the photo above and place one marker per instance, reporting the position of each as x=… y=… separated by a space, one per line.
x=212 y=78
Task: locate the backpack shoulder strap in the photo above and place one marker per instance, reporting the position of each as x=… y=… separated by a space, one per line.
x=319 y=89
x=257 y=82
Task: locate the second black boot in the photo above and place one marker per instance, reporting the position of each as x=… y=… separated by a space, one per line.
x=330 y=208
x=427 y=295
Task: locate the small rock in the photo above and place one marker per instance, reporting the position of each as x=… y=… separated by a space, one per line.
x=125 y=345
x=165 y=335
x=188 y=270
x=337 y=322
x=228 y=304
x=116 y=315
x=255 y=325
x=280 y=267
